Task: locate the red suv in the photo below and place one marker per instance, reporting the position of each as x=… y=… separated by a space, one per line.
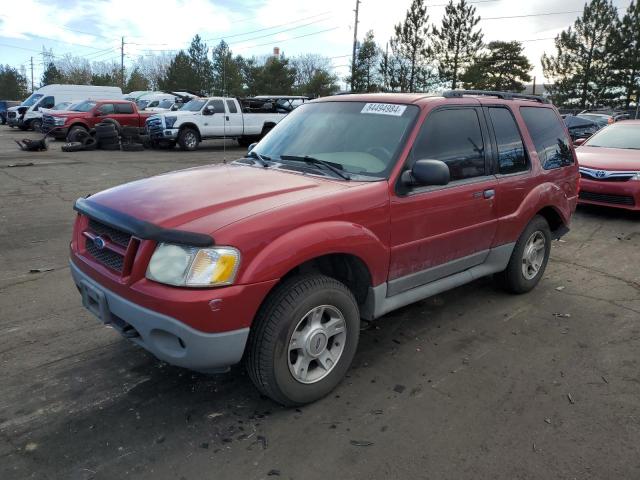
x=349 y=208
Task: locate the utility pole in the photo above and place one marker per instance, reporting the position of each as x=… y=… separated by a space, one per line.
x=355 y=42
x=122 y=63
x=386 y=68
x=533 y=92
x=33 y=87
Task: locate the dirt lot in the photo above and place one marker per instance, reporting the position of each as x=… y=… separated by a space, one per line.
x=474 y=383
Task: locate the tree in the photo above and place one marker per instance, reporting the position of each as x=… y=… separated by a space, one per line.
x=74 y=70
x=365 y=72
x=106 y=74
x=581 y=69
x=51 y=75
x=456 y=43
x=627 y=53
x=313 y=76
x=201 y=65
x=227 y=72
x=154 y=68
x=503 y=67
x=275 y=77
x=13 y=84
x=180 y=74
x=408 y=70
x=137 y=81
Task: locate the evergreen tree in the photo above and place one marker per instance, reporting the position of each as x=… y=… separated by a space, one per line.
x=227 y=72
x=408 y=71
x=503 y=67
x=365 y=72
x=51 y=75
x=200 y=65
x=180 y=74
x=13 y=84
x=581 y=69
x=457 y=42
x=627 y=53
x=136 y=81
x=313 y=76
x=275 y=77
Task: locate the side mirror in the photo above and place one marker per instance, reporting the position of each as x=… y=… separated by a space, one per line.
x=427 y=172
x=209 y=110
x=251 y=147
x=579 y=141
x=97 y=113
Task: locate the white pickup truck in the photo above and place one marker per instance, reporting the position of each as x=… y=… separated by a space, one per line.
x=213 y=117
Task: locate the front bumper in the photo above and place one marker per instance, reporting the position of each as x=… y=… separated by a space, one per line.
x=165 y=337
x=624 y=195
x=164 y=134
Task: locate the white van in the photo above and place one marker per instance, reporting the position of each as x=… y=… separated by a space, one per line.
x=135 y=95
x=153 y=99
x=29 y=115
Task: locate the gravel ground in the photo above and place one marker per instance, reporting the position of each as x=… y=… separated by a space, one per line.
x=474 y=383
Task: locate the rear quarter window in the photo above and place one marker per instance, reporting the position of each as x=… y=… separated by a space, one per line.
x=124 y=108
x=548 y=135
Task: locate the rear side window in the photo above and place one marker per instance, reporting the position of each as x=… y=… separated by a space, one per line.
x=218 y=106
x=231 y=105
x=453 y=136
x=124 y=108
x=511 y=154
x=548 y=136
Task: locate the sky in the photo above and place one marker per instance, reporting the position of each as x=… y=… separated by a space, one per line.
x=93 y=29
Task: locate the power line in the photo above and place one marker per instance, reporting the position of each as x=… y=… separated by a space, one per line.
x=294 y=38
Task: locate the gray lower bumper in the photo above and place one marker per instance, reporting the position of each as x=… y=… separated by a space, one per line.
x=167 y=338
x=166 y=134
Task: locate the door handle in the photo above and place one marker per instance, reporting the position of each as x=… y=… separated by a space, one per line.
x=227 y=117
x=489 y=193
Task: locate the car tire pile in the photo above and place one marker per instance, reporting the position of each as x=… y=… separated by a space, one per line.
x=109 y=135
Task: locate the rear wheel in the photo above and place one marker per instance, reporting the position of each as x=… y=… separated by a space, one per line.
x=303 y=339
x=529 y=257
x=36 y=125
x=188 y=139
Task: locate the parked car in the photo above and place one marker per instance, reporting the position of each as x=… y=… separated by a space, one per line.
x=164 y=106
x=85 y=116
x=152 y=99
x=601 y=119
x=28 y=114
x=135 y=95
x=4 y=105
x=350 y=208
x=580 y=127
x=610 y=166
x=213 y=117
x=56 y=108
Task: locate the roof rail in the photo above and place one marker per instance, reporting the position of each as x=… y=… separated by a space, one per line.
x=489 y=93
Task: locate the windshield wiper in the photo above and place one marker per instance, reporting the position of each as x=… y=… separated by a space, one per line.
x=316 y=161
x=259 y=159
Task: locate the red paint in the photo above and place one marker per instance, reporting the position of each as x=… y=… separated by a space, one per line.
x=279 y=219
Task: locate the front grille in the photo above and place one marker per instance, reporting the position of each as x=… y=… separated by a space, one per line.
x=607 y=198
x=11 y=114
x=48 y=123
x=106 y=257
x=154 y=125
x=609 y=179
x=116 y=236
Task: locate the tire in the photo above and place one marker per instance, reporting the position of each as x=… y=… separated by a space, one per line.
x=524 y=258
x=132 y=147
x=269 y=360
x=107 y=140
x=109 y=146
x=188 y=139
x=131 y=139
x=106 y=129
x=90 y=143
x=128 y=131
x=36 y=125
x=72 y=147
x=77 y=134
x=245 y=141
x=111 y=121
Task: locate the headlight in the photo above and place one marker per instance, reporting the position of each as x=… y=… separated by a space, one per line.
x=193 y=267
x=169 y=121
x=58 y=120
x=636 y=176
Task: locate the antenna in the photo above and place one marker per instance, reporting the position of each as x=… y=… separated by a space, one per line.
x=224 y=104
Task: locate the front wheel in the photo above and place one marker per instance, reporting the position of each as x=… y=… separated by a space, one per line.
x=188 y=139
x=36 y=125
x=303 y=339
x=529 y=257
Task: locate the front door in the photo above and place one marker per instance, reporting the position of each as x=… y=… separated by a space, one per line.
x=213 y=124
x=234 y=127
x=437 y=231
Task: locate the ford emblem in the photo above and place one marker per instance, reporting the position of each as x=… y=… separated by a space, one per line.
x=99 y=243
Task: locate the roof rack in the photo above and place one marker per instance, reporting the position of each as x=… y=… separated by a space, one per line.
x=489 y=93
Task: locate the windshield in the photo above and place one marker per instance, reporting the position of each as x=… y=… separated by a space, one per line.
x=359 y=138
x=617 y=136
x=142 y=104
x=82 y=106
x=31 y=100
x=194 y=105
x=165 y=104
x=61 y=106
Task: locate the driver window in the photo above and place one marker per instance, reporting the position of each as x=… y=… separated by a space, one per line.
x=453 y=136
x=47 y=102
x=218 y=106
x=106 y=109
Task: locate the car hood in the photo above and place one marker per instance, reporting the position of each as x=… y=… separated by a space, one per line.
x=608 y=158
x=67 y=113
x=204 y=199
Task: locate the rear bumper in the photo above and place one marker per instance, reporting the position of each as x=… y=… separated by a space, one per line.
x=624 y=195
x=165 y=337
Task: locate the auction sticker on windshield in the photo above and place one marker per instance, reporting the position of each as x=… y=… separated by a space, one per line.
x=384 y=109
